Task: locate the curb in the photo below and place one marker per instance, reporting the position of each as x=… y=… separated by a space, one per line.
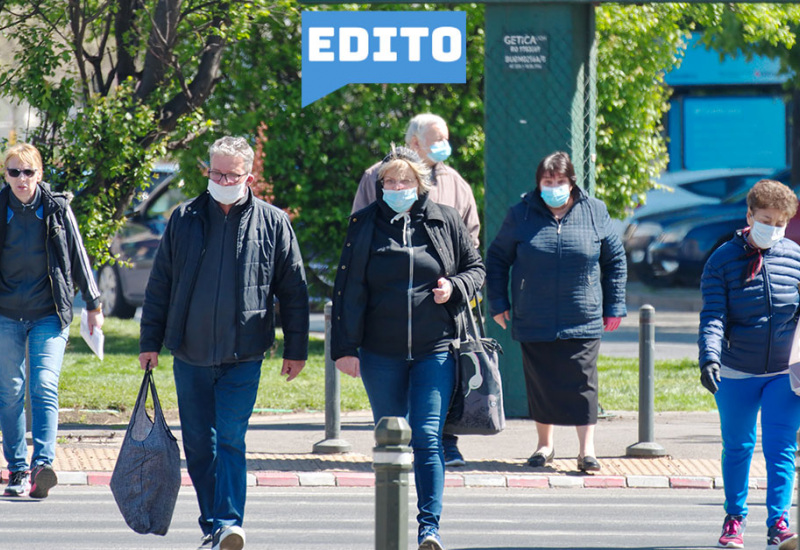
x=510 y=481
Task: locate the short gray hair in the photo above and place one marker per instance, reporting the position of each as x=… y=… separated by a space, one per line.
x=420 y=123
x=230 y=146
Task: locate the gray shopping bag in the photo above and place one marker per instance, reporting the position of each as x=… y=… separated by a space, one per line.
x=147 y=475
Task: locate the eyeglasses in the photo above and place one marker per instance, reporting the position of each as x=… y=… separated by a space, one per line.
x=217 y=176
x=388 y=182
x=15 y=172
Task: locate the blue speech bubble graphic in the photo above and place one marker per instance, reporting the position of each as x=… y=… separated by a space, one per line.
x=364 y=47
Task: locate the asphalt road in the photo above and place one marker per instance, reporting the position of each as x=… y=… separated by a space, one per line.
x=86 y=518
x=675 y=335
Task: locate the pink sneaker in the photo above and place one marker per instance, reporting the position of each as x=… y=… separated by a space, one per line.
x=779 y=537
x=732 y=532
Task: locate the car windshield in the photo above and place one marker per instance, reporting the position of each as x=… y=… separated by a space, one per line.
x=740 y=196
x=161 y=208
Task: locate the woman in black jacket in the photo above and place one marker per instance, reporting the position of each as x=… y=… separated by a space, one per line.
x=407 y=268
x=42 y=264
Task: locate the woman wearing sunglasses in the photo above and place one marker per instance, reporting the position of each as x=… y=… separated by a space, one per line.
x=42 y=261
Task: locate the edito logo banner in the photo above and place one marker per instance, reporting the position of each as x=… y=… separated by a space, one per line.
x=365 y=47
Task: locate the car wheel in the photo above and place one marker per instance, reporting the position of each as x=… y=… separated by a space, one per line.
x=114 y=304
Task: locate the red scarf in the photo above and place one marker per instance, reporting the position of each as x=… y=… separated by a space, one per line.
x=756 y=262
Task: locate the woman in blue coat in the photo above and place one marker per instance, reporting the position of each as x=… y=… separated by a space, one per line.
x=568 y=273
x=750 y=308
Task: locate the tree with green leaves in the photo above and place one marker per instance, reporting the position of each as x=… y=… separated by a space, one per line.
x=114 y=85
x=313 y=157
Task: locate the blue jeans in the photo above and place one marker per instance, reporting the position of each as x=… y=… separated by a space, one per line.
x=46 y=342
x=214 y=404
x=420 y=390
x=738 y=401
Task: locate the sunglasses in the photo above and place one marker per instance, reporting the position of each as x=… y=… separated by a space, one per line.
x=15 y=172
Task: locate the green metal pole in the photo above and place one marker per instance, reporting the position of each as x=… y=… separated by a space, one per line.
x=540 y=97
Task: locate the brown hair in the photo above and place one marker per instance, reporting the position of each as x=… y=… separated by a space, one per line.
x=772 y=194
x=24 y=152
x=557 y=163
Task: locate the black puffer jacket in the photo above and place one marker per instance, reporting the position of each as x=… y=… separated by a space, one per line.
x=451 y=244
x=268 y=264
x=67 y=262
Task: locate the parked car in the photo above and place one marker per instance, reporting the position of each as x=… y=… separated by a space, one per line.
x=672 y=247
x=121 y=285
x=681 y=191
x=695 y=187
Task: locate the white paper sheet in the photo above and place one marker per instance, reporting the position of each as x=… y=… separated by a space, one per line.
x=95 y=340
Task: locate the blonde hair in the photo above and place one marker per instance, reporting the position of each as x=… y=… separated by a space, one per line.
x=24 y=152
x=401 y=159
x=772 y=194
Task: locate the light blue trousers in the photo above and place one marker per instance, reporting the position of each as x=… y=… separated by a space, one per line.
x=46 y=342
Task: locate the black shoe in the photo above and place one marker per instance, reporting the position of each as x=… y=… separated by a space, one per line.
x=452 y=456
x=43 y=478
x=588 y=464
x=538 y=459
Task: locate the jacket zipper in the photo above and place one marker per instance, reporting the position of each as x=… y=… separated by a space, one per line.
x=217 y=360
x=769 y=306
x=240 y=229
x=558 y=269
x=409 y=293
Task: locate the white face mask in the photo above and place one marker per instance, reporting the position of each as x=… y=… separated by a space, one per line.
x=766 y=236
x=226 y=194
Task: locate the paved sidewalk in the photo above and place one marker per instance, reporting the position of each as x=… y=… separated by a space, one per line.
x=280 y=454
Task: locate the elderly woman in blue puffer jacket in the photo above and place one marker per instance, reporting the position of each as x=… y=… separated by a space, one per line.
x=568 y=278
x=749 y=316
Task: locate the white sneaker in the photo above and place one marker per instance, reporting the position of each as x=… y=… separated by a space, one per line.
x=19 y=484
x=230 y=537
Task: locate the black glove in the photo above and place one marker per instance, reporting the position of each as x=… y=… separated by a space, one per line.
x=709 y=376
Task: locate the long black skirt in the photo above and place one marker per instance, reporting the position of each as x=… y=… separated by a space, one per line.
x=561 y=380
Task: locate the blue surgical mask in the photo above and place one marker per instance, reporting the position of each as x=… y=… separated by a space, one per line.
x=440 y=151
x=555 y=197
x=766 y=236
x=400 y=200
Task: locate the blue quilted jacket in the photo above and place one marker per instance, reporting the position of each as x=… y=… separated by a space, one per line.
x=748 y=326
x=565 y=276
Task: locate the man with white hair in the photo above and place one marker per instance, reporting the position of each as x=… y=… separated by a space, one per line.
x=223 y=259
x=428 y=136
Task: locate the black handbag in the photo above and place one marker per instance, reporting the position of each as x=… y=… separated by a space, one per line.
x=147 y=475
x=477 y=404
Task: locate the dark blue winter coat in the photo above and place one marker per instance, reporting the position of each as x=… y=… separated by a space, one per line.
x=748 y=326
x=565 y=275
